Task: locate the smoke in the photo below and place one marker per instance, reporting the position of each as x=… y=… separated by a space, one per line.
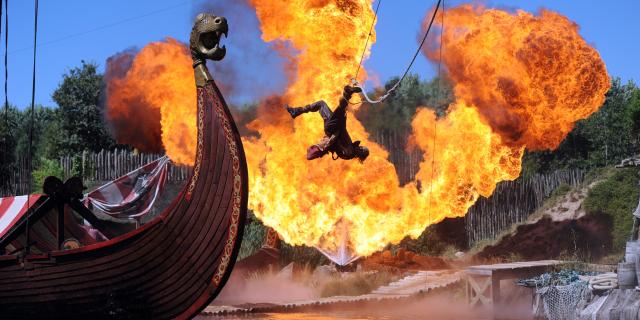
x=143 y=87
x=442 y=305
x=265 y=287
x=252 y=69
x=151 y=99
x=132 y=119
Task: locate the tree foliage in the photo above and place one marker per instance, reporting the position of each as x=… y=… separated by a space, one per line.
x=81 y=121
x=43 y=119
x=616 y=196
x=606 y=137
x=7 y=145
x=46 y=167
x=395 y=113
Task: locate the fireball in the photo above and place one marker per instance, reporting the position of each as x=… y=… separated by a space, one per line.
x=520 y=80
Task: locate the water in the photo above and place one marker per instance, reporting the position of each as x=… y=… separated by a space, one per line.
x=318 y=316
x=343 y=315
x=440 y=307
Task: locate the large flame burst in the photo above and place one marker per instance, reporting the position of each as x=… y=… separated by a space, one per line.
x=520 y=81
x=158 y=84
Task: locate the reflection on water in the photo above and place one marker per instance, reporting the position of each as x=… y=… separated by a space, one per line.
x=436 y=309
x=343 y=315
x=295 y=316
x=445 y=305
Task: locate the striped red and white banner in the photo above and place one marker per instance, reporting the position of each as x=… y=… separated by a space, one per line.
x=14 y=208
x=129 y=197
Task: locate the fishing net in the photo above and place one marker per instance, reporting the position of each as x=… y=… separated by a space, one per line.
x=560 y=302
x=559 y=292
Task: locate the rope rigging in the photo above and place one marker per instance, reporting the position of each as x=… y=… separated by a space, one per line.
x=7 y=134
x=397 y=84
x=366 y=43
x=6 y=122
x=406 y=71
x=33 y=101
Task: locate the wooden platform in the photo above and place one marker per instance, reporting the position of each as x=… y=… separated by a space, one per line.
x=410 y=286
x=483 y=281
x=619 y=304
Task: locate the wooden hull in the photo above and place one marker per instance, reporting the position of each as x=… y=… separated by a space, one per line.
x=171 y=267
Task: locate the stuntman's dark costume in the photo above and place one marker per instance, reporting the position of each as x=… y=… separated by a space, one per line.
x=336 y=139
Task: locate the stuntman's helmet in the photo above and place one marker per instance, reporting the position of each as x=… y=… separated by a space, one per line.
x=362 y=153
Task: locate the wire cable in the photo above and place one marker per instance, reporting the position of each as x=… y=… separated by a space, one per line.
x=366 y=43
x=5 y=181
x=106 y=26
x=406 y=71
x=7 y=135
x=33 y=102
x=6 y=77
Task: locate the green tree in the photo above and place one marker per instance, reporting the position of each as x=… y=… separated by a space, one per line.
x=82 y=125
x=395 y=113
x=606 y=137
x=616 y=196
x=634 y=115
x=43 y=118
x=51 y=140
x=8 y=126
x=46 y=167
x=610 y=129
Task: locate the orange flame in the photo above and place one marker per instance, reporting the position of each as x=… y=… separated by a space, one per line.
x=160 y=81
x=530 y=77
x=520 y=81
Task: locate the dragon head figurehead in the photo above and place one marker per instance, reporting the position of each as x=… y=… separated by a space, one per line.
x=204 y=43
x=205 y=38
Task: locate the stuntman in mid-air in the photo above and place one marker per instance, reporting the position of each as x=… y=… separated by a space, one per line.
x=336 y=139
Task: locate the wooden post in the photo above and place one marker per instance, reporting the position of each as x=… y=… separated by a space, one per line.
x=495 y=297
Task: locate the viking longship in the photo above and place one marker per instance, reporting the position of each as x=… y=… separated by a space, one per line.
x=170 y=267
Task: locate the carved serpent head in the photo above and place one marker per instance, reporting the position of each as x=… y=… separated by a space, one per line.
x=205 y=38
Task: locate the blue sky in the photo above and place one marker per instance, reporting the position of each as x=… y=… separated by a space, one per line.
x=75 y=30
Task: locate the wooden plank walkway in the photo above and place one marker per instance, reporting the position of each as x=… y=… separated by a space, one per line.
x=420 y=282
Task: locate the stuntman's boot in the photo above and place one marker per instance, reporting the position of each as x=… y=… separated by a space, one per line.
x=294 y=112
x=349 y=91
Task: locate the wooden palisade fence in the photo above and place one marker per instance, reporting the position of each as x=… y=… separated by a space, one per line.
x=97 y=167
x=18 y=183
x=513 y=202
x=406 y=162
x=110 y=165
